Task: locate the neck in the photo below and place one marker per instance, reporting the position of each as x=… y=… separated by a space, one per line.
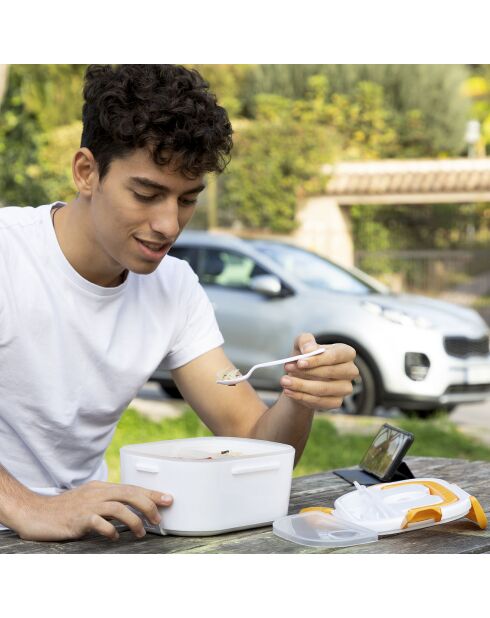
x=74 y=231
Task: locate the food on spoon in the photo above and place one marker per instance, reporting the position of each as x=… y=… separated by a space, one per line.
x=229 y=374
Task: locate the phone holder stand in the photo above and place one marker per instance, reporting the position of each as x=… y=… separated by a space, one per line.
x=350 y=475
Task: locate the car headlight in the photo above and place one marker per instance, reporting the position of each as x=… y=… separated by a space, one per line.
x=398 y=317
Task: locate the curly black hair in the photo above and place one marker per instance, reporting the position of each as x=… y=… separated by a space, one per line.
x=165 y=108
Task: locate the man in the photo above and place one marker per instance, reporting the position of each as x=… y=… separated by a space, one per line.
x=89 y=305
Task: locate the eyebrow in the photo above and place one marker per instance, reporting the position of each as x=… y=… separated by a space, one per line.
x=151 y=184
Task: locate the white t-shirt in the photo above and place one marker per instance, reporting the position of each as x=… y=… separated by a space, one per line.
x=74 y=354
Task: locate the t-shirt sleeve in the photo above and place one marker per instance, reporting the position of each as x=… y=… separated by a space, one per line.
x=198 y=330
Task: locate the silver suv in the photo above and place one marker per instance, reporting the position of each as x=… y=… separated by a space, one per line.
x=413 y=352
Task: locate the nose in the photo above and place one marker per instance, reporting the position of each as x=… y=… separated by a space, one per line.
x=165 y=219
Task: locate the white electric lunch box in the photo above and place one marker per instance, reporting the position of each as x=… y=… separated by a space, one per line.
x=218 y=484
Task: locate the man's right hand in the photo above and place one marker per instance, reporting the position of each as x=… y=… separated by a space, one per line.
x=79 y=511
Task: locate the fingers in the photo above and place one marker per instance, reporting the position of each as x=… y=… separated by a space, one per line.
x=335 y=354
x=103 y=527
x=321 y=381
x=127 y=492
x=116 y=510
x=158 y=497
x=112 y=498
x=333 y=389
x=344 y=371
x=306 y=343
x=144 y=500
x=314 y=402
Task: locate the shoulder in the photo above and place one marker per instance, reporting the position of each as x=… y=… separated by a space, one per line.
x=177 y=270
x=173 y=279
x=12 y=216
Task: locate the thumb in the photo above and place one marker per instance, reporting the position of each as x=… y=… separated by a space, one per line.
x=307 y=343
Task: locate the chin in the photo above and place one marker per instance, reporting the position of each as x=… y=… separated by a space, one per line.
x=144 y=268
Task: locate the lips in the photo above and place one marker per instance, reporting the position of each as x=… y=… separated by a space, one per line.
x=152 y=245
x=151 y=250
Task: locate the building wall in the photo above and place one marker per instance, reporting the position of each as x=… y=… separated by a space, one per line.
x=324 y=227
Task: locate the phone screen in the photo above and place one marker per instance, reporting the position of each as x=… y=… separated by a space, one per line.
x=386 y=451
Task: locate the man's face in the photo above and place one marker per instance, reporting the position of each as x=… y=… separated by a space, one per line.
x=139 y=210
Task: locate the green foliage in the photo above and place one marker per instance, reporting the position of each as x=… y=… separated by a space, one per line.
x=278 y=155
x=52 y=92
x=40 y=130
x=429 y=106
x=55 y=154
x=227 y=81
x=435 y=226
x=275 y=159
x=477 y=89
x=432 y=226
x=364 y=122
x=371 y=235
x=326 y=448
x=20 y=136
x=299 y=117
x=429 y=109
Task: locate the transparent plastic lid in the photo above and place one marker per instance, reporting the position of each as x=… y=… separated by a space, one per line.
x=317 y=529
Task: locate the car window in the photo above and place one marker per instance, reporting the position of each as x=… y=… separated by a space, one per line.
x=188 y=254
x=318 y=272
x=228 y=268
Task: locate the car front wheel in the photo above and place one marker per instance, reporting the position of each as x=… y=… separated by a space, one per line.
x=362 y=400
x=170 y=390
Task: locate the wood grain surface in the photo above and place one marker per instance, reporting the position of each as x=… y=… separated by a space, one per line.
x=458 y=537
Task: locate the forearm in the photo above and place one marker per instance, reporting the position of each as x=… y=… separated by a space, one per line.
x=286 y=421
x=13 y=498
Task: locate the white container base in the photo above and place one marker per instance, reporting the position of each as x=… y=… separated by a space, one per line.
x=245 y=488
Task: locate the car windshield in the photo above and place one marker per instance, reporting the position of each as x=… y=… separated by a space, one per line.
x=318 y=272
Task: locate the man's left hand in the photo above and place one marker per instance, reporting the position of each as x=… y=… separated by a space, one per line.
x=321 y=381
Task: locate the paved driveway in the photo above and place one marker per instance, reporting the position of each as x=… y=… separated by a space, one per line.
x=474 y=420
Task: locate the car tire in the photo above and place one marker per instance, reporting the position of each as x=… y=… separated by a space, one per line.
x=428 y=413
x=170 y=390
x=362 y=401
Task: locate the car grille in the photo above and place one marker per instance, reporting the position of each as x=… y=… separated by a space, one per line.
x=467 y=388
x=462 y=347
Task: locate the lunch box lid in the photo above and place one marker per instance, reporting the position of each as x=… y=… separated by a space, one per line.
x=317 y=528
x=387 y=508
x=399 y=506
x=207 y=449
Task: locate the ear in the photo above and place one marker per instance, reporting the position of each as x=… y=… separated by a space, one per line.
x=85 y=172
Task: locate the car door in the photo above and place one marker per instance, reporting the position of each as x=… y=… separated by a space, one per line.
x=187 y=253
x=256 y=327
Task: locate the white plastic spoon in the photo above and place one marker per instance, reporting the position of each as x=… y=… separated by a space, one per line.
x=374 y=499
x=239 y=379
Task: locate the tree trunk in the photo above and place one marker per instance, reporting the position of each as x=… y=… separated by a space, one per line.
x=4 y=71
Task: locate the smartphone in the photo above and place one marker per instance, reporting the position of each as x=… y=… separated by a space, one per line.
x=386 y=452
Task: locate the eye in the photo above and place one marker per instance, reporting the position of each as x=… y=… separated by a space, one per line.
x=188 y=202
x=144 y=198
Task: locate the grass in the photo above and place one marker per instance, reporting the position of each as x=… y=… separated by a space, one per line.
x=326 y=448
x=481 y=301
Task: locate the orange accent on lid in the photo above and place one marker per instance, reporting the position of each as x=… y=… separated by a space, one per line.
x=422 y=513
x=323 y=509
x=476 y=513
x=435 y=489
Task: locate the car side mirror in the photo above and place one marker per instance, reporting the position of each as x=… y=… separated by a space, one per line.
x=266 y=284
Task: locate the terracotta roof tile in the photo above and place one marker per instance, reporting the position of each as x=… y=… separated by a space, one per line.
x=408 y=176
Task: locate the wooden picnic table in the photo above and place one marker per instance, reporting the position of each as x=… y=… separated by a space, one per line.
x=458 y=537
